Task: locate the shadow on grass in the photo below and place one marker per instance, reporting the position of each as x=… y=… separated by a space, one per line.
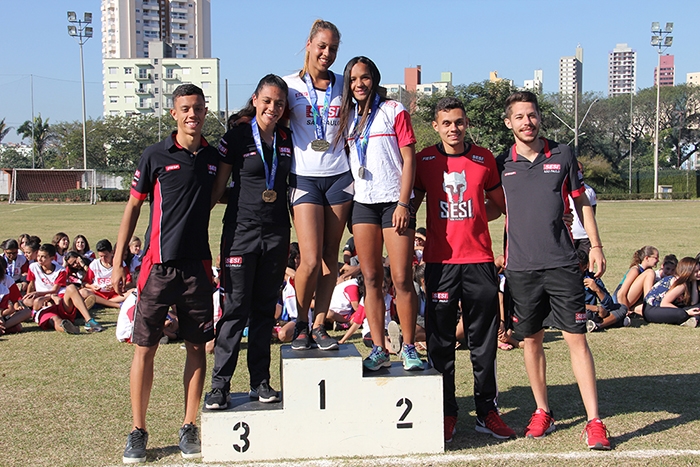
x=674 y=394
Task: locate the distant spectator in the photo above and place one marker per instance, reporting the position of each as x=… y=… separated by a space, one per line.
x=601 y=311
x=30 y=250
x=21 y=241
x=674 y=299
x=61 y=242
x=581 y=241
x=12 y=311
x=82 y=247
x=77 y=268
x=639 y=279
x=668 y=267
x=419 y=243
x=99 y=277
x=16 y=264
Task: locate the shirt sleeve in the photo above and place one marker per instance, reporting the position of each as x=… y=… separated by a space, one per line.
x=143 y=181
x=30 y=276
x=404 y=129
x=62 y=278
x=15 y=295
x=352 y=292
x=577 y=188
x=90 y=278
x=494 y=175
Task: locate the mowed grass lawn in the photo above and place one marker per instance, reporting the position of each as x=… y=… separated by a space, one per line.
x=65 y=399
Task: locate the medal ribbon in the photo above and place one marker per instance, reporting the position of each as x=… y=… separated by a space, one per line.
x=362 y=140
x=320 y=120
x=269 y=174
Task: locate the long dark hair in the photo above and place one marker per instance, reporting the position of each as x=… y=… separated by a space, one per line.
x=248 y=111
x=347 y=98
x=685 y=275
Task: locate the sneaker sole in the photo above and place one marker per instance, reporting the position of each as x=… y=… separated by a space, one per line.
x=483 y=429
x=216 y=406
x=269 y=399
x=377 y=368
x=547 y=431
x=394 y=337
x=69 y=328
x=133 y=460
x=194 y=455
x=414 y=366
x=599 y=447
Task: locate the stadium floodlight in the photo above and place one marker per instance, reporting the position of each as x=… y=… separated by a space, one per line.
x=661 y=40
x=81 y=32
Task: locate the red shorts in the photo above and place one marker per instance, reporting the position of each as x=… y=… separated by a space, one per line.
x=44 y=316
x=106 y=295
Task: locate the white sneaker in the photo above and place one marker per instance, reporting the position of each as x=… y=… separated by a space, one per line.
x=691 y=322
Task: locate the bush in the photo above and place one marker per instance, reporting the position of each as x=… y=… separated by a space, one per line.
x=112 y=195
x=68 y=196
x=637 y=196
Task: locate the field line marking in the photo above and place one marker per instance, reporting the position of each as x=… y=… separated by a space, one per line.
x=25 y=208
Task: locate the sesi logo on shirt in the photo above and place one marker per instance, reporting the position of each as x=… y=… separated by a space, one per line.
x=169 y=168
x=551 y=168
x=441 y=297
x=234 y=261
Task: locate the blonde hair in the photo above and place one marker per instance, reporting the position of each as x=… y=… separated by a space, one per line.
x=317 y=27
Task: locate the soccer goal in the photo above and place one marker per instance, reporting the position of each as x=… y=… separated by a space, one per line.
x=53 y=185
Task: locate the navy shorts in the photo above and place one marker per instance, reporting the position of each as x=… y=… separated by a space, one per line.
x=185 y=285
x=538 y=293
x=377 y=214
x=324 y=191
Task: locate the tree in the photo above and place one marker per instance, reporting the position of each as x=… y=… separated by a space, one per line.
x=42 y=136
x=4 y=129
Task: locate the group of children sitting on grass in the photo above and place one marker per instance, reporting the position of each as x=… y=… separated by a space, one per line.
x=54 y=283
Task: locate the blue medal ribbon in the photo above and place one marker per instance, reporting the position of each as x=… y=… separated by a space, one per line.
x=269 y=174
x=361 y=140
x=320 y=120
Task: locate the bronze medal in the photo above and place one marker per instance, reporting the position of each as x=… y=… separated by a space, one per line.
x=269 y=196
x=320 y=145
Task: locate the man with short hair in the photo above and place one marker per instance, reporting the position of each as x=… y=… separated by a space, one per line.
x=542 y=269
x=178 y=174
x=459 y=269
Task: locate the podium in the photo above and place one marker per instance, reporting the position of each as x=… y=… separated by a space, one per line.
x=330 y=408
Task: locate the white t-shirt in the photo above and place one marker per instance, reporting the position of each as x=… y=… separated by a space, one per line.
x=387 y=314
x=289 y=302
x=100 y=275
x=390 y=130
x=44 y=282
x=577 y=229
x=343 y=294
x=306 y=161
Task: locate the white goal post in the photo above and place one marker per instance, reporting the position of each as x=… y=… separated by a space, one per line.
x=53 y=185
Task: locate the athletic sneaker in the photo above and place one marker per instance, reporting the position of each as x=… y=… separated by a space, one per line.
x=378 y=358
x=596 y=435
x=450 y=427
x=627 y=321
x=93 y=326
x=217 y=399
x=691 y=322
x=394 y=336
x=302 y=338
x=591 y=326
x=69 y=328
x=190 y=444
x=322 y=340
x=409 y=357
x=264 y=393
x=135 y=450
x=541 y=424
x=493 y=425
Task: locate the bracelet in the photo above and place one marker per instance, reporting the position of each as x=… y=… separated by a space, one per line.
x=404 y=205
x=597 y=246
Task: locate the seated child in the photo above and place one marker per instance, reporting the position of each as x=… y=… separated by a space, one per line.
x=608 y=313
x=30 y=251
x=17 y=265
x=61 y=242
x=99 y=277
x=12 y=311
x=77 y=269
x=82 y=247
x=55 y=303
x=344 y=301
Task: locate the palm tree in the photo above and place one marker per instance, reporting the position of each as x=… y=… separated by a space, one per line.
x=42 y=136
x=4 y=129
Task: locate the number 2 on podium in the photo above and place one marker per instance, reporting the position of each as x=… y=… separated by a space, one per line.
x=409 y=405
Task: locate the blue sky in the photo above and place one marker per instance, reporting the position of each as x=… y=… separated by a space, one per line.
x=469 y=38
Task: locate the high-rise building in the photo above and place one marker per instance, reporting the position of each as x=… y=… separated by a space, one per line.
x=535 y=85
x=622 y=70
x=667 y=77
x=571 y=73
x=129 y=25
x=693 y=78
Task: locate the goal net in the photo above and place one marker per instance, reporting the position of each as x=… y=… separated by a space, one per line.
x=53 y=185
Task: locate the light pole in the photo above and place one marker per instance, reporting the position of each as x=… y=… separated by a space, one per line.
x=81 y=32
x=577 y=127
x=661 y=40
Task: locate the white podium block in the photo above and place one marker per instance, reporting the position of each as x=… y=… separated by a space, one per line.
x=329 y=408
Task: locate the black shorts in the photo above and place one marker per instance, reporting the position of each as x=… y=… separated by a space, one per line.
x=536 y=294
x=377 y=214
x=185 y=285
x=324 y=191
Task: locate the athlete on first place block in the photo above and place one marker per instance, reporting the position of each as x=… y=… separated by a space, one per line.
x=542 y=269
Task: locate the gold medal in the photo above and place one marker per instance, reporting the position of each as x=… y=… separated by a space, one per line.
x=269 y=196
x=320 y=145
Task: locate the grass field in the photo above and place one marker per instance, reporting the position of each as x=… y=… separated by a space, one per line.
x=65 y=398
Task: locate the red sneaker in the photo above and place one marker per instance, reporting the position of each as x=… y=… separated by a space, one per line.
x=493 y=425
x=541 y=424
x=596 y=435
x=450 y=427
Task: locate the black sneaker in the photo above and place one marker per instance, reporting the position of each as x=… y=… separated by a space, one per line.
x=264 y=393
x=217 y=399
x=302 y=339
x=190 y=445
x=135 y=450
x=323 y=340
